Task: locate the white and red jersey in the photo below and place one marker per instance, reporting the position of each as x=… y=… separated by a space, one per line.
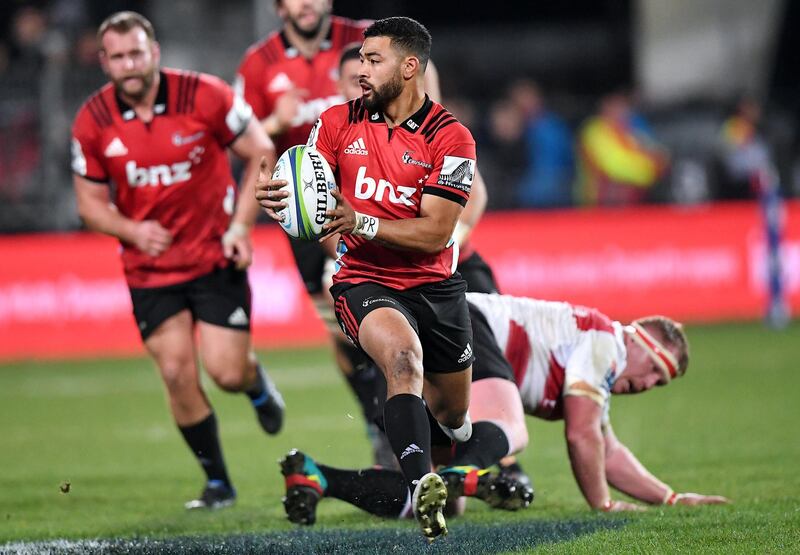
x=385 y=173
x=555 y=349
x=174 y=169
x=273 y=66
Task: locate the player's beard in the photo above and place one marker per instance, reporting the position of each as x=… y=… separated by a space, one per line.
x=147 y=78
x=311 y=33
x=383 y=95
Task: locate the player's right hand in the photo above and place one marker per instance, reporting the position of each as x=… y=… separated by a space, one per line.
x=287 y=106
x=267 y=191
x=151 y=238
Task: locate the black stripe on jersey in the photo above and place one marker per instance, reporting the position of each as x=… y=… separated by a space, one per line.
x=444 y=193
x=98 y=180
x=356 y=110
x=193 y=84
x=430 y=135
x=179 y=96
x=104 y=109
x=269 y=53
x=101 y=116
x=434 y=120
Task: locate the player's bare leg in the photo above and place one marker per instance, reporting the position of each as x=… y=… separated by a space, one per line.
x=388 y=338
x=228 y=358
x=172 y=347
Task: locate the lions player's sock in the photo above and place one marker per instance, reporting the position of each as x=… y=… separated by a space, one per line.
x=485 y=448
x=409 y=435
x=203 y=440
x=378 y=491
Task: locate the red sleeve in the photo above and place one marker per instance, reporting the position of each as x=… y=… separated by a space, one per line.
x=324 y=136
x=249 y=82
x=453 y=164
x=87 y=156
x=226 y=113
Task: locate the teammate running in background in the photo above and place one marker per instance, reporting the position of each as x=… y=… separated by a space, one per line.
x=160 y=136
x=567 y=361
x=396 y=290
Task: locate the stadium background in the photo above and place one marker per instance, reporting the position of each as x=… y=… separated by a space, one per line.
x=686 y=63
x=692 y=250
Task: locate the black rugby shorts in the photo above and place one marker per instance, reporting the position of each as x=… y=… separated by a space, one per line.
x=438 y=313
x=478 y=275
x=221 y=297
x=490 y=361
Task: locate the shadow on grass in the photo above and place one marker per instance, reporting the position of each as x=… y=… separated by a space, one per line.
x=463 y=538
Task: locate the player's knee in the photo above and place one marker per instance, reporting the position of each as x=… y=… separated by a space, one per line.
x=451 y=416
x=404 y=368
x=232 y=381
x=179 y=376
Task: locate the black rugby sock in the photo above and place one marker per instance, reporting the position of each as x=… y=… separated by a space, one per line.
x=409 y=435
x=365 y=380
x=485 y=448
x=378 y=491
x=203 y=440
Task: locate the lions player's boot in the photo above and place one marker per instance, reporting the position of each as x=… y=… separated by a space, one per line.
x=305 y=485
x=515 y=471
x=216 y=495
x=427 y=504
x=268 y=404
x=497 y=490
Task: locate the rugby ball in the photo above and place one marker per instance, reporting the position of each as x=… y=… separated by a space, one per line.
x=309 y=184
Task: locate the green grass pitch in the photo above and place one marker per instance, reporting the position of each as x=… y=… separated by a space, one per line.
x=731 y=426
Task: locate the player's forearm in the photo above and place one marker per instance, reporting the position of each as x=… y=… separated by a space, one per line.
x=625 y=473
x=586 y=457
x=105 y=218
x=424 y=234
x=247 y=209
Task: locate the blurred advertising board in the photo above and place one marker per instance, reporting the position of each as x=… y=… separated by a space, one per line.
x=63 y=295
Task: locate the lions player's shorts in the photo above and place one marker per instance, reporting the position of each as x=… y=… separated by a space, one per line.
x=478 y=275
x=438 y=313
x=310 y=259
x=221 y=297
x=490 y=362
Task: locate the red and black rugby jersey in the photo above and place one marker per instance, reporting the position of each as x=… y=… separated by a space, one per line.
x=385 y=173
x=174 y=169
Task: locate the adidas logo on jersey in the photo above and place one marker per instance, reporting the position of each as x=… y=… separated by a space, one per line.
x=280 y=83
x=115 y=148
x=466 y=354
x=238 y=317
x=413 y=448
x=358 y=147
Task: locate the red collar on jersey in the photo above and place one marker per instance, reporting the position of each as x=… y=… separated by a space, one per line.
x=412 y=124
x=160 y=107
x=663 y=358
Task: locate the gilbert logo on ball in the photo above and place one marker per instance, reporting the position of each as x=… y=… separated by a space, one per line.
x=309 y=184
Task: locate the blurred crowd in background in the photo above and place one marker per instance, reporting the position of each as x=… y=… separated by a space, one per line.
x=557 y=125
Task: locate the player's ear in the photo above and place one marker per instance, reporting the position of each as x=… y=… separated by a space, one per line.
x=410 y=67
x=155 y=48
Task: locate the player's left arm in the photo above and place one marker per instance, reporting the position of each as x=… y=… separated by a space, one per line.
x=253 y=146
x=625 y=473
x=473 y=211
